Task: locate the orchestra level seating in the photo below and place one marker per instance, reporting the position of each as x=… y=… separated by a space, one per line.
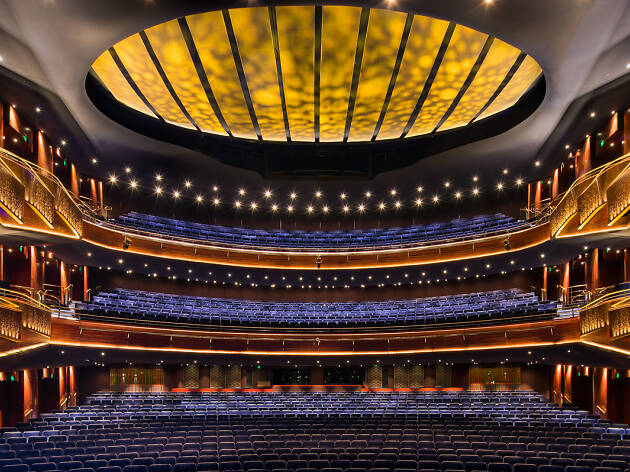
x=313 y=432
x=484 y=225
x=487 y=307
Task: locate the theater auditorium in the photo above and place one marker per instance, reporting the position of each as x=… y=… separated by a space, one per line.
x=290 y=236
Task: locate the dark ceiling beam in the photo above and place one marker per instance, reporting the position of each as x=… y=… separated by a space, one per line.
x=201 y=73
x=156 y=62
x=358 y=60
x=317 y=69
x=131 y=82
x=392 y=80
x=429 y=82
x=241 y=72
x=273 y=23
x=469 y=79
x=517 y=63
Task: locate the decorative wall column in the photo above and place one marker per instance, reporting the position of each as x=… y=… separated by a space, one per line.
x=566 y=280
x=555 y=183
x=63 y=282
x=35 y=279
x=28 y=378
x=93 y=196
x=626 y=265
x=538 y=195
x=544 y=295
x=593 y=264
x=2 y=262
x=86 y=286
x=74 y=180
x=72 y=386
x=44 y=152
x=63 y=391
x=583 y=159
x=556 y=390
x=100 y=195
x=600 y=391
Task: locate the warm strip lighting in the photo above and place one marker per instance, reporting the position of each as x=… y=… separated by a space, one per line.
x=314 y=353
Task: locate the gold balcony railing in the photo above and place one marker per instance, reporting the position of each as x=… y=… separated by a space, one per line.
x=24 y=184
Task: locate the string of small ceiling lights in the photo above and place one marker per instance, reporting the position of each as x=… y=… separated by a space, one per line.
x=315 y=201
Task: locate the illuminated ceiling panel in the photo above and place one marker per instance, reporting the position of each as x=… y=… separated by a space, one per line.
x=522 y=80
x=423 y=43
x=339 y=42
x=463 y=50
x=315 y=73
x=107 y=70
x=384 y=33
x=170 y=48
x=296 y=35
x=210 y=36
x=253 y=33
x=496 y=65
x=136 y=60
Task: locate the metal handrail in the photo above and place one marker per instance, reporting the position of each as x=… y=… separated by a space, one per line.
x=201 y=242
x=23 y=294
x=85 y=316
x=40 y=172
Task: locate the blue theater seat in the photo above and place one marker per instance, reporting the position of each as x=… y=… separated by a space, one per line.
x=488 y=307
x=479 y=226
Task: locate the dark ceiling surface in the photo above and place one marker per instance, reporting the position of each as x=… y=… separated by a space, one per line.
x=581 y=45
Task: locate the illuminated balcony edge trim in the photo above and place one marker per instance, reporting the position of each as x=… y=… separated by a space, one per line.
x=312 y=265
x=317 y=353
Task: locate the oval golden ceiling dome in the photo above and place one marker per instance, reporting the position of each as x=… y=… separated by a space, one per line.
x=315 y=73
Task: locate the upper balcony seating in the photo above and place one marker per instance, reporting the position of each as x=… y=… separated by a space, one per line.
x=489 y=307
x=316 y=432
x=485 y=225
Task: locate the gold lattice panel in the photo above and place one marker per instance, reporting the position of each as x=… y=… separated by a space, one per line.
x=11 y=193
x=401 y=376
x=191 y=376
x=592 y=319
x=40 y=197
x=567 y=207
x=69 y=210
x=216 y=377
x=374 y=376
x=10 y=324
x=618 y=194
x=136 y=378
x=484 y=377
x=619 y=320
x=443 y=375
x=590 y=200
x=233 y=376
x=36 y=319
x=416 y=376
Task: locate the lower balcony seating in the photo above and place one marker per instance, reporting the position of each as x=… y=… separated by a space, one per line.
x=484 y=225
x=490 y=307
x=316 y=432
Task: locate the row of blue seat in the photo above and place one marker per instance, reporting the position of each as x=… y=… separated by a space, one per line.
x=495 y=305
x=316 y=432
x=485 y=225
